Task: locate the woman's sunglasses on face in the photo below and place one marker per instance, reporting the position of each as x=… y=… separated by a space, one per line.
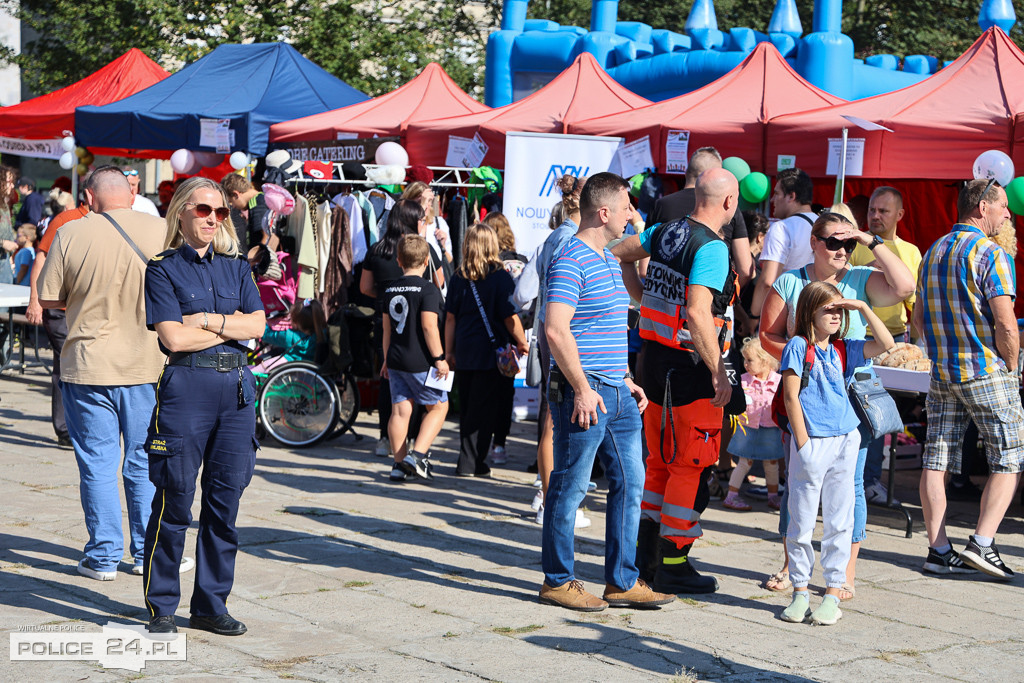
x=833 y=244
x=204 y=210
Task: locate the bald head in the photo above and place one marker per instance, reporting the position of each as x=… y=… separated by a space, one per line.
x=108 y=189
x=717 y=197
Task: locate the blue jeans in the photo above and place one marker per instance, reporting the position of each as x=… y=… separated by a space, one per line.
x=616 y=437
x=860 y=504
x=98 y=417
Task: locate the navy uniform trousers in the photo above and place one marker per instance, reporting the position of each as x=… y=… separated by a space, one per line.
x=198 y=423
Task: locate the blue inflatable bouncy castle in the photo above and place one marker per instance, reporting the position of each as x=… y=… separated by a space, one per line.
x=658 y=64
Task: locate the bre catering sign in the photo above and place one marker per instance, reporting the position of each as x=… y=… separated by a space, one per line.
x=534 y=162
x=362 y=150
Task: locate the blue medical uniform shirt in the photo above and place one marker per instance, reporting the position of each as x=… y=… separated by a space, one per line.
x=179 y=282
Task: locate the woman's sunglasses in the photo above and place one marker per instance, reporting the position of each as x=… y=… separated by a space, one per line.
x=833 y=244
x=204 y=210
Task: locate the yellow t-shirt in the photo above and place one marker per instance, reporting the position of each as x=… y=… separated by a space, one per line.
x=894 y=317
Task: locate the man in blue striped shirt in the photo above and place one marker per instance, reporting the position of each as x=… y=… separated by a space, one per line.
x=595 y=406
x=964 y=311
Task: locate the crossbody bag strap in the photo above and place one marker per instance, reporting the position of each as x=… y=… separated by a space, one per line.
x=483 y=314
x=806 y=219
x=127 y=239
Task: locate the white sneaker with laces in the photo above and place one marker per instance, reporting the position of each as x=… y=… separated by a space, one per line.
x=187 y=565
x=582 y=521
x=538 y=501
x=539 y=519
x=86 y=570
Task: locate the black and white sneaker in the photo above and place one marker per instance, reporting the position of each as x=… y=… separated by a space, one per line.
x=419 y=464
x=986 y=559
x=946 y=563
x=398 y=474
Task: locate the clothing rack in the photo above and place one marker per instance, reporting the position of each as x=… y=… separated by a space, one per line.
x=450 y=177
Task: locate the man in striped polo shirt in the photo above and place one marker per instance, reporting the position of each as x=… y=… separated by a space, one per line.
x=964 y=310
x=595 y=406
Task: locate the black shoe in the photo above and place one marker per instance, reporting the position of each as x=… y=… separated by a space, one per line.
x=986 y=559
x=222 y=624
x=64 y=441
x=946 y=563
x=676 y=573
x=963 y=492
x=163 y=624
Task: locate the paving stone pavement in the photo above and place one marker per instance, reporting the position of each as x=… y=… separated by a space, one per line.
x=342 y=574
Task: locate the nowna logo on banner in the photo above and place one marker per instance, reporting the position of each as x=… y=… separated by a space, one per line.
x=555 y=174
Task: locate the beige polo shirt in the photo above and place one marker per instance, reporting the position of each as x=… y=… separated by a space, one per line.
x=92 y=268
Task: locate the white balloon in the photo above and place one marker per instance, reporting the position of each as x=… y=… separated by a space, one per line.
x=182 y=160
x=68 y=144
x=209 y=159
x=391 y=154
x=68 y=159
x=994 y=164
x=238 y=160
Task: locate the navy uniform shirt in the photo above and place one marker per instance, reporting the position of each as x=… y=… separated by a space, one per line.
x=179 y=282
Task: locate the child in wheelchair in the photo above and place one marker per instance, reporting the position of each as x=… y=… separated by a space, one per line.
x=309 y=328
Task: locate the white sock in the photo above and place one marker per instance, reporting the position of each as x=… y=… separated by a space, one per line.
x=983 y=541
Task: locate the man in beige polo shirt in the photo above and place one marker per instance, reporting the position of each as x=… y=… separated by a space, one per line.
x=110 y=361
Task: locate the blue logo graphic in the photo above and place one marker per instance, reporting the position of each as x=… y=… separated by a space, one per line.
x=555 y=174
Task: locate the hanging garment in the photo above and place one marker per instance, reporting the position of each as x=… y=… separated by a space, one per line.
x=337 y=274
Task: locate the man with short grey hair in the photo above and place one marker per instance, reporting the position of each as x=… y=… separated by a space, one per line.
x=110 y=361
x=139 y=201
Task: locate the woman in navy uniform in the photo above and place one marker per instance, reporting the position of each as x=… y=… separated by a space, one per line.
x=202 y=301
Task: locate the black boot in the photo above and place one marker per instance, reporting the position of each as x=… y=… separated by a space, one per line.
x=676 y=573
x=647 y=547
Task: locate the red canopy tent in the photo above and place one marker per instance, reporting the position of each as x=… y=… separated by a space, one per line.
x=729 y=114
x=584 y=90
x=431 y=95
x=35 y=127
x=939 y=125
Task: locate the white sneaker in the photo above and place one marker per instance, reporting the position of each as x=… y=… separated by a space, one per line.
x=591 y=486
x=187 y=565
x=85 y=570
x=383 y=448
x=582 y=522
x=537 y=483
x=538 y=501
x=539 y=519
x=876 y=494
x=499 y=456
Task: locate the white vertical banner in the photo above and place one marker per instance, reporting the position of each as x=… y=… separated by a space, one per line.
x=534 y=163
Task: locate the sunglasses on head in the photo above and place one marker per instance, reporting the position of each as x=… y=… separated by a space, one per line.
x=991 y=182
x=204 y=210
x=833 y=244
x=131 y=172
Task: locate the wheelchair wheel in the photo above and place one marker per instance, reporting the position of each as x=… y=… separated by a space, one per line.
x=348 y=401
x=298 y=405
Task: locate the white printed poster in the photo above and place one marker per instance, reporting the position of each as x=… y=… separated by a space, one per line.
x=534 y=162
x=677 y=147
x=475 y=152
x=854 y=156
x=457 y=147
x=636 y=157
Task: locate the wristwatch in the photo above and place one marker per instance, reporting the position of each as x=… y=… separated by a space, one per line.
x=876 y=240
x=437 y=358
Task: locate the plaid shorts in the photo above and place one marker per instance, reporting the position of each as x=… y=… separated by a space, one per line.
x=993 y=402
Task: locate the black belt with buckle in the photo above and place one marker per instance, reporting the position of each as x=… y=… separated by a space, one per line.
x=222 y=362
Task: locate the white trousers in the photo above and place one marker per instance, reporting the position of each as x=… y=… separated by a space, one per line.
x=821 y=472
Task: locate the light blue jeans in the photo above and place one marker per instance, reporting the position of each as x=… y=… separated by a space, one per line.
x=98 y=418
x=616 y=438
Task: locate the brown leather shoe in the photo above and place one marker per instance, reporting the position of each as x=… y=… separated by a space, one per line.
x=640 y=596
x=572 y=595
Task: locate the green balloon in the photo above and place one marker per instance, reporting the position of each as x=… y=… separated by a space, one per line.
x=755 y=187
x=1015 y=195
x=635 y=183
x=737 y=167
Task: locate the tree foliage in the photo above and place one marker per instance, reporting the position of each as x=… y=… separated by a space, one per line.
x=377 y=45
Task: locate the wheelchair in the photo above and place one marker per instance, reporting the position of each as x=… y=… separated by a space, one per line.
x=301 y=403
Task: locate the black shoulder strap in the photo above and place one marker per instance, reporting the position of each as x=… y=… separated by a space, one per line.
x=804 y=216
x=127 y=239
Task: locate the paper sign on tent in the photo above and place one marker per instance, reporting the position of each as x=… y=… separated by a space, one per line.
x=457 y=147
x=475 y=152
x=635 y=157
x=677 y=147
x=854 y=156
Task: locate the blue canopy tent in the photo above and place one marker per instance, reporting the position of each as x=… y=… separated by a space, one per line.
x=253 y=86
